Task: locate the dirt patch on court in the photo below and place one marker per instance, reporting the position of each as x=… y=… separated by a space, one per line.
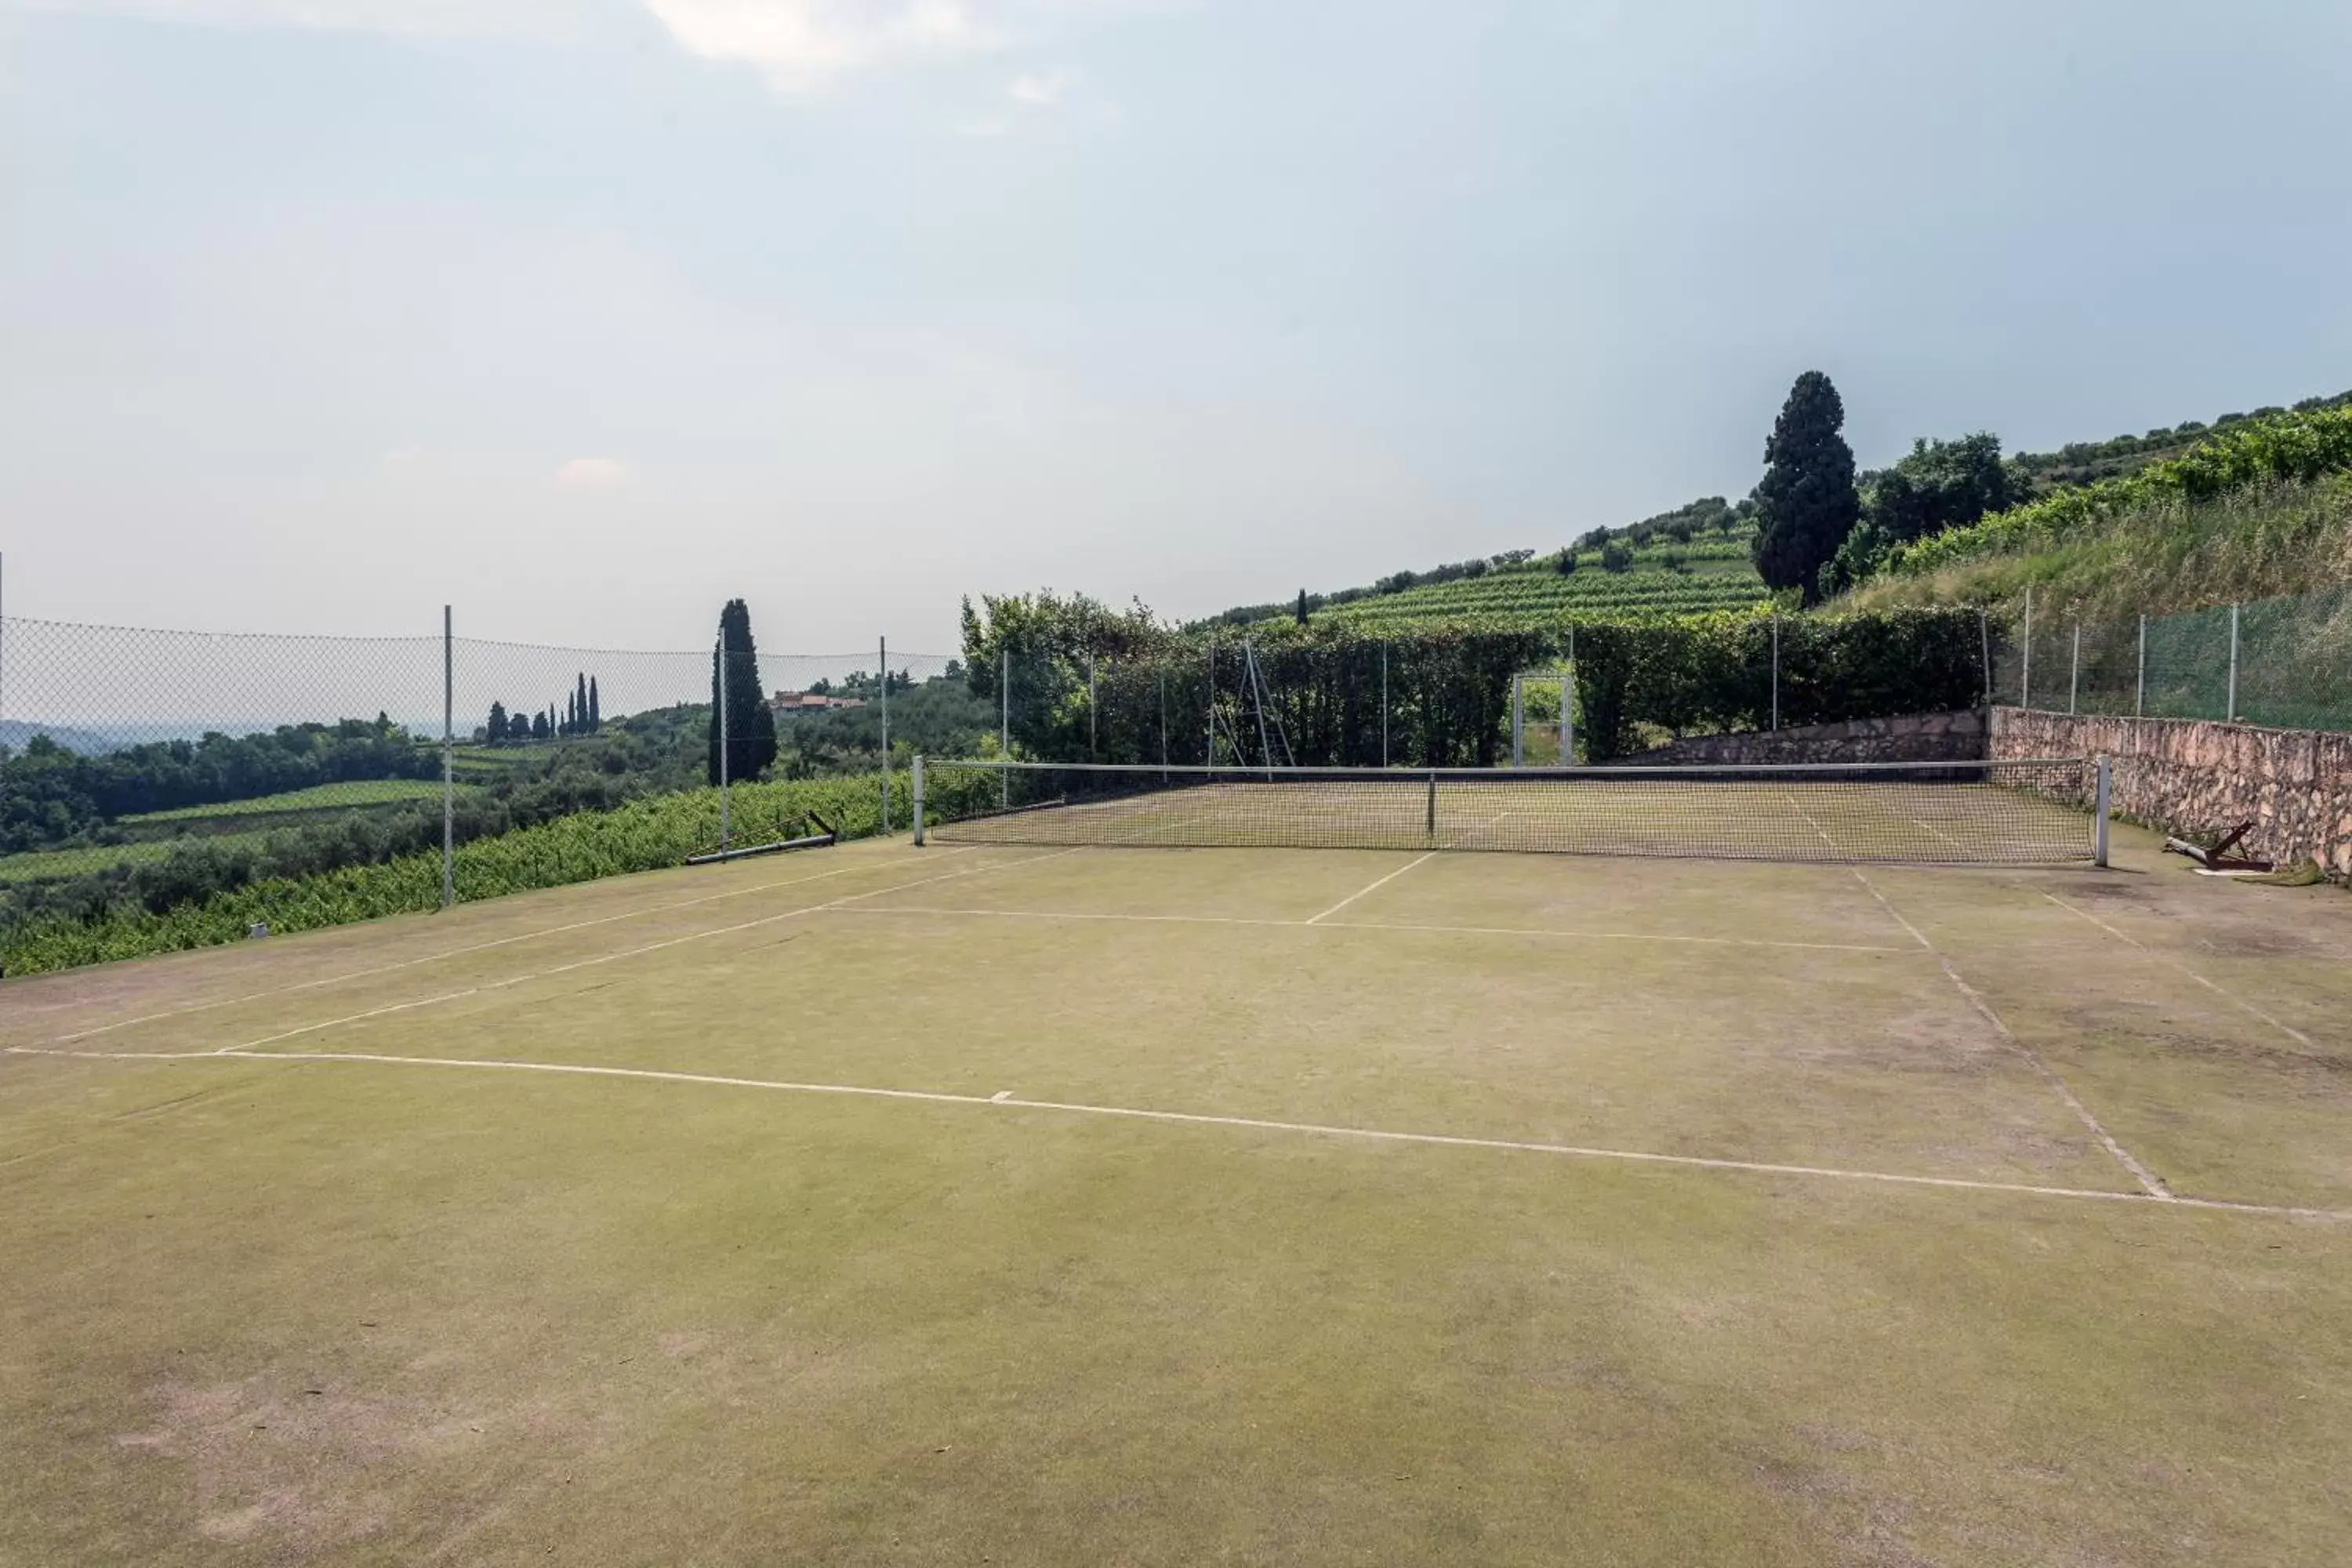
x=292 y=1465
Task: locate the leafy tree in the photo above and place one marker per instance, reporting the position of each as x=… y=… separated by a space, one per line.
x=1941 y=485
x=498 y=724
x=1616 y=556
x=751 y=726
x=1807 y=503
x=539 y=726
x=1567 y=564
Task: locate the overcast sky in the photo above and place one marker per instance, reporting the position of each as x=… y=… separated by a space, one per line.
x=587 y=314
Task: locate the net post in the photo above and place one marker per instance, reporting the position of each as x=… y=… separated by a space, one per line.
x=2139 y=687
x=2100 y=809
x=2231 y=716
x=1433 y=802
x=2025 y=669
x=448 y=762
x=1519 y=722
x=723 y=739
x=918 y=800
x=2074 y=671
x=885 y=656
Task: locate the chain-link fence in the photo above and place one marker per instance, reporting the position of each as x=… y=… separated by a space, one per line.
x=161 y=789
x=2284 y=662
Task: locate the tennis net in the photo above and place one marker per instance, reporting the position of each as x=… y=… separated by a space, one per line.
x=2048 y=812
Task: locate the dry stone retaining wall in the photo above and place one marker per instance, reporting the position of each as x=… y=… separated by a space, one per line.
x=1912 y=737
x=2196 y=776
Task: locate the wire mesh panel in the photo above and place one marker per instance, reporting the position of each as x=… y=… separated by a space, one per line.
x=2294 y=661
x=2019 y=812
x=145 y=762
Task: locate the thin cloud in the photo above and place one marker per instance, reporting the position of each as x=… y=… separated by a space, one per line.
x=593 y=474
x=404 y=17
x=1035 y=90
x=801 y=44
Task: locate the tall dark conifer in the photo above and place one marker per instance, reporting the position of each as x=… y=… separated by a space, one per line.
x=750 y=727
x=1807 y=504
x=595 y=709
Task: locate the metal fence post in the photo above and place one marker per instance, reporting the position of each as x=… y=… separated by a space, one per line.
x=1984 y=639
x=2025 y=670
x=1093 y=748
x=1519 y=722
x=1004 y=720
x=1567 y=723
x=884 y=655
x=918 y=800
x=1384 y=705
x=2140 y=686
x=448 y=762
x=1776 y=672
x=1164 y=725
x=2232 y=715
x=724 y=738
x=2099 y=812
x=2074 y=670
x=1213 y=699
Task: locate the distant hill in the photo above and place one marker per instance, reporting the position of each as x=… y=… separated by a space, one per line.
x=1695 y=556
x=15 y=732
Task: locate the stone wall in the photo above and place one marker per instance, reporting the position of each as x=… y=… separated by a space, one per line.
x=1913 y=738
x=2198 y=776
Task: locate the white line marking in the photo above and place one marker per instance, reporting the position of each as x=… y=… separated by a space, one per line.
x=1004 y=1099
x=1374 y=888
x=2243 y=1005
x=474 y=947
x=1379 y=925
x=2147 y=1179
x=625 y=953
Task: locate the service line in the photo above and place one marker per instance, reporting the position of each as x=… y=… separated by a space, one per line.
x=1319 y=923
x=1004 y=1099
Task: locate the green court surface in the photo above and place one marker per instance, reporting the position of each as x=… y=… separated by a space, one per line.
x=1036 y=1204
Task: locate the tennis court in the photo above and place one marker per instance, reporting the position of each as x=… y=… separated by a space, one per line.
x=1051 y=1202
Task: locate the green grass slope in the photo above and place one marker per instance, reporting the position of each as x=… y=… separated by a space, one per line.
x=2262 y=510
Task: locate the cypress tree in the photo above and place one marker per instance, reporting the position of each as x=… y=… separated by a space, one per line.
x=1302 y=606
x=580 y=704
x=595 y=710
x=497 y=726
x=538 y=726
x=1807 y=503
x=750 y=727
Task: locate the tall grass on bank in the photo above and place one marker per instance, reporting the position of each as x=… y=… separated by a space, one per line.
x=2295 y=449
x=2166 y=554
x=641 y=836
